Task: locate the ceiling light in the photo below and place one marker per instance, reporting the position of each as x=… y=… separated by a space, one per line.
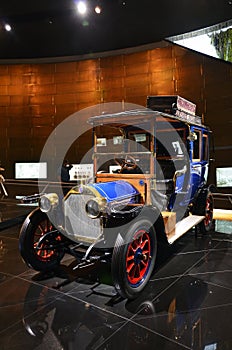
x=7 y=27
x=98 y=9
x=81 y=7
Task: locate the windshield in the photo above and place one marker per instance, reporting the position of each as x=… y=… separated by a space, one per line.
x=134 y=149
x=122 y=150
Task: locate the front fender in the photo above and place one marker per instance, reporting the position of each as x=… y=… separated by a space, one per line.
x=121 y=221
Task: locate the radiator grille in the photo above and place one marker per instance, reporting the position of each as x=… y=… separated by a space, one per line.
x=78 y=225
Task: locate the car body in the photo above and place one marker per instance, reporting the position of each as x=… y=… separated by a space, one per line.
x=150 y=186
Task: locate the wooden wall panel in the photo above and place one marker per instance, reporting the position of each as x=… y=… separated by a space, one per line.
x=64 y=77
x=111 y=61
x=136 y=80
x=19 y=111
x=4 y=100
x=89 y=96
x=19 y=154
x=65 y=98
x=68 y=67
x=162 y=75
x=5 y=79
x=86 y=75
x=45 y=99
x=113 y=94
x=42 y=131
x=161 y=53
x=140 y=68
x=42 y=110
x=189 y=72
x=21 y=132
x=3 y=134
x=3 y=90
x=136 y=58
x=64 y=110
x=184 y=57
x=161 y=64
x=40 y=69
x=137 y=91
x=20 y=100
x=19 y=121
x=112 y=72
x=64 y=88
x=3 y=115
x=42 y=79
x=20 y=69
x=41 y=121
x=162 y=87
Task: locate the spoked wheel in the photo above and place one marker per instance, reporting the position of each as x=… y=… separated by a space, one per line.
x=208 y=221
x=133 y=258
x=204 y=206
x=40 y=244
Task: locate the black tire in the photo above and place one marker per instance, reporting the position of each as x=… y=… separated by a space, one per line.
x=204 y=206
x=49 y=254
x=134 y=258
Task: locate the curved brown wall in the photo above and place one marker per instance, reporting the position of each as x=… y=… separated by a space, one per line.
x=34 y=98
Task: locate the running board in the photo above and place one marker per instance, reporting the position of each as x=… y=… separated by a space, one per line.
x=184 y=226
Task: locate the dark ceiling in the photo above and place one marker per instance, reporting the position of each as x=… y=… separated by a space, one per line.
x=51 y=28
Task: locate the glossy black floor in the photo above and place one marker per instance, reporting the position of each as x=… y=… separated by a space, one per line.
x=187 y=304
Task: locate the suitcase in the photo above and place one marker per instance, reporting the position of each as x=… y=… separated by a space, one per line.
x=172 y=104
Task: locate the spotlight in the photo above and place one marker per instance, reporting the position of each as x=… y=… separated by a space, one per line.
x=7 y=27
x=98 y=9
x=81 y=7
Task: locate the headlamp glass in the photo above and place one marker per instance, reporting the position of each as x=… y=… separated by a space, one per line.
x=92 y=208
x=48 y=202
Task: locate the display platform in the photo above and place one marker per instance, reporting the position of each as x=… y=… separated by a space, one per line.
x=184 y=306
x=222 y=214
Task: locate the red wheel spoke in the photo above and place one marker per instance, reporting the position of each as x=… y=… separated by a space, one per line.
x=130 y=266
x=130 y=258
x=39 y=252
x=136 y=244
x=132 y=249
x=144 y=263
x=143 y=244
x=41 y=229
x=131 y=271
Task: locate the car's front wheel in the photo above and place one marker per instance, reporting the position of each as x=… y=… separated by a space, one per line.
x=40 y=244
x=134 y=258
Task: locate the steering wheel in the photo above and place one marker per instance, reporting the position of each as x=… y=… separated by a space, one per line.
x=128 y=163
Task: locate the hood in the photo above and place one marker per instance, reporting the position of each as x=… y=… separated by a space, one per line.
x=115 y=190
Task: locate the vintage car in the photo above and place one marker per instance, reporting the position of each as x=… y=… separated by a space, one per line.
x=150 y=187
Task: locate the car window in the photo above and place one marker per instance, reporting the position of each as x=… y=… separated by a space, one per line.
x=197 y=146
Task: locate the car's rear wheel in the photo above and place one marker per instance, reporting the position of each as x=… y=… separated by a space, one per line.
x=134 y=258
x=40 y=244
x=204 y=206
